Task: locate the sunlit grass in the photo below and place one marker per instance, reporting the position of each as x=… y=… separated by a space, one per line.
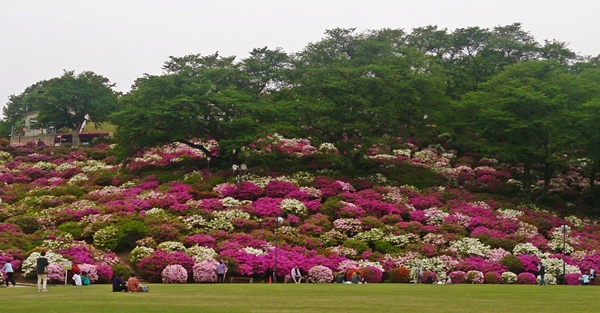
x=306 y=298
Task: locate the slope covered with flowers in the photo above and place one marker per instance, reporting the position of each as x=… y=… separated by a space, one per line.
x=173 y=217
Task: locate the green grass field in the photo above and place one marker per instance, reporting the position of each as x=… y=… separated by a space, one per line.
x=305 y=298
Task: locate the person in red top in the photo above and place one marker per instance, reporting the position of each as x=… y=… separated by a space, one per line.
x=133 y=284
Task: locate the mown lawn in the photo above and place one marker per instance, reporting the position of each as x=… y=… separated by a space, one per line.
x=369 y=298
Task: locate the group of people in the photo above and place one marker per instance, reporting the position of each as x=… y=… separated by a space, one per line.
x=131 y=285
x=586 y=278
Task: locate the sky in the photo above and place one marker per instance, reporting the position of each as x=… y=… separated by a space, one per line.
x=124 y=39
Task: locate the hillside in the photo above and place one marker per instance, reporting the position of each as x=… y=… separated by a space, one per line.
x=415 y=207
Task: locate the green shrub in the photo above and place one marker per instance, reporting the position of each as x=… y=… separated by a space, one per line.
x=28 y=224
x=121 y=269
x=359 y=246
x=386 y=247
x=512 y=263
x=331 y=205
x=130 y=231
x=72 y=228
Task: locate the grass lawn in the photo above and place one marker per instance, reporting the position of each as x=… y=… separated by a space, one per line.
x=369 y=298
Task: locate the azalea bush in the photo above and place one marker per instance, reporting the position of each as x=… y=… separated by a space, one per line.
x=205 y=271
x=320 y=274
x=174 y=274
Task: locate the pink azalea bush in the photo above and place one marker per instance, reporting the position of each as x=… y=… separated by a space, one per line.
x=174 y=274
x=320 y=274
x=205 y=271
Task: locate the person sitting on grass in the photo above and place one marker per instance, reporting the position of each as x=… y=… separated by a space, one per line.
x=118 y=284
x=85 y=281
x=77 y=280
x=133 y=284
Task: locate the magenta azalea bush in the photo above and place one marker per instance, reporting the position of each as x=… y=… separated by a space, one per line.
x=152 y=266
x=174 y=274
x=526 y=279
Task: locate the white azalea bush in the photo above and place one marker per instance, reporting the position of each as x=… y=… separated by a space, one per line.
x=201 y=253
x=107 y=238
x=29 y=265
x=509 y=278
x=171 y=246
x=138 y=253
x=470 y=246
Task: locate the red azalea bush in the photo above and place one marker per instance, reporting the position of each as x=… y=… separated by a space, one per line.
x=399 y=275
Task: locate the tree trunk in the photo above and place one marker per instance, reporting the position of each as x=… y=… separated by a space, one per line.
x=527 y=180
x=75 y=133
x=547 y=178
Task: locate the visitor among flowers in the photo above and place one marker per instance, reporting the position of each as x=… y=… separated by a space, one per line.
x=118 y=284
x=85 y=280
x=221 y=271
x=133 y=284
x=77 y=280
x=8 y=269
x=42 y=271
x=296 y=275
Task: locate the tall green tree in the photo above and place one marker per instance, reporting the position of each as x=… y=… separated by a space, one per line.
x=357 y=89
x=517 y=117
x=68 y=101
x=200 y=98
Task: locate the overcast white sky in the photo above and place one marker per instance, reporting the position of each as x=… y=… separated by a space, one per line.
x=123 y=39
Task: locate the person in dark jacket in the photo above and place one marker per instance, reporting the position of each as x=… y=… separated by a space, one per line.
x=42 y=271
x=119 y=284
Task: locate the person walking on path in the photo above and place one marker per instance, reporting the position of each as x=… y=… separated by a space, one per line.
x=221 y=270
x=8 y=269
x=42 y=272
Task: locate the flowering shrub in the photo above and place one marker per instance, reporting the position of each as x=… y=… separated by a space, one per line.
x=372 y=274
x=320 y=274
x=107 y=238
x=526 y=279
x=428 y=274
x=139 y=253
x=457 y=277
x=90 y=270
x=399 y=275
x=56 y=273
x=205 y=271
x=474 y=277
x=174 y=274
x=509 y=278
x=151 y=267
x=29 y=265
x=492 y=278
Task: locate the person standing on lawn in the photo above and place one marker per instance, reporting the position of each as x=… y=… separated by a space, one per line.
x=221 y=270
x=42 y=272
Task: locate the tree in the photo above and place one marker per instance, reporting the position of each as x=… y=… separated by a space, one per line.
x=583 y=122
x=359 y=89
x=517 y=115
x=72 y=100
x=200 y=98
